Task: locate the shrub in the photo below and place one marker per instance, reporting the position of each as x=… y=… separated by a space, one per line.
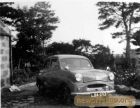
x=125 y=77
x=136 y=83
x=21 y=76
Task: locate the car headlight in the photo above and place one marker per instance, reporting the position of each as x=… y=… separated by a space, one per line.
x=78 y=77
x=111 y=76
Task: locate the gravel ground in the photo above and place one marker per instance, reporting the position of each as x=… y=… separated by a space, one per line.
x=28 y=97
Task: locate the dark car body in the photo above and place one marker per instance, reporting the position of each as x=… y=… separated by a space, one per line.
x=77 y=73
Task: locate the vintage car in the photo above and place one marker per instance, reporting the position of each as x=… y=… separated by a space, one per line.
x=73 y=75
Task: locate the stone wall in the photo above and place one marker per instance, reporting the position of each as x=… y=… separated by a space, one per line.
x=5 y=60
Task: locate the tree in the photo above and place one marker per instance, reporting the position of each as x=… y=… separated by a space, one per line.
x=8 y=14
x=136 y=39
x=60 y=48
x=102 y=56
x=81 y=45
x=34 y=26
x=120 y=14
x=99 y=55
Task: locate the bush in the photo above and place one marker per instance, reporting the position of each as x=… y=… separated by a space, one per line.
x=21 y=76
x=125 y=77
x=136 y=83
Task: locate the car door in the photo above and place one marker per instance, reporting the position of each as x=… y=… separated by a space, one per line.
x=53 y=74
x=57 y=76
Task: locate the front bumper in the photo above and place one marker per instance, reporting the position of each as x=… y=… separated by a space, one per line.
x=92 y=92
x=91 y=88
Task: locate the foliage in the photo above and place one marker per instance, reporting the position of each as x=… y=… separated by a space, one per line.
x=137 y=81
x=99 y=55
x=125 y=77
x=21 y=76
x=123 y=74
x=78 y=46
x=103 y=56
x=120 y=14
x=8 y=14
x=34 y=26
x=81 y=45
x=60 y=48
x=136 y=39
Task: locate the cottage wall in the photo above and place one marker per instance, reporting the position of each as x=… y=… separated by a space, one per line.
x=5 y=55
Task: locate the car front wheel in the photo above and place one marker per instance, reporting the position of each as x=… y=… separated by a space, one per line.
x=64 y=94
x=40 y=88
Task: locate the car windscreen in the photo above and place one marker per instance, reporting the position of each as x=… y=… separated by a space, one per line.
x=75 y=63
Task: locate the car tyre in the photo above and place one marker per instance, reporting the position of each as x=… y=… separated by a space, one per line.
x=41 y=89
x=64 y=94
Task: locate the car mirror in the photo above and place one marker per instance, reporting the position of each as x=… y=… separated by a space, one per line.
x=67 y=67
x=108 y=68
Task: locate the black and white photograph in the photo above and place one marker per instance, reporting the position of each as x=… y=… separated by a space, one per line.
x=69 y=53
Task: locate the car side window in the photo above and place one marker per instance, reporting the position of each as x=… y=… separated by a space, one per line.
x=47 y=63
x=54 y=63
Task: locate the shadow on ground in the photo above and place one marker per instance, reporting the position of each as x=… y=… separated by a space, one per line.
x=31 y=99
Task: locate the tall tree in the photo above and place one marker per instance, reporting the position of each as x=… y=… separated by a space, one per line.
x=120 y=15
x=35 y=26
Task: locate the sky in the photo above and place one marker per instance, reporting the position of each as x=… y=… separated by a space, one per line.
x=79 y=20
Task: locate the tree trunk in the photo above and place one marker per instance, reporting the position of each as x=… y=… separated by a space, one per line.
x=19 y=63
x=44 y=47
x=128 y=48
x=127 y=31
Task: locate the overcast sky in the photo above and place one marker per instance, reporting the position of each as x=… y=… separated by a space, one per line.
x=79 y=19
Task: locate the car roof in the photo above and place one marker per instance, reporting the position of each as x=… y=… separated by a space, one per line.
x=61 y=56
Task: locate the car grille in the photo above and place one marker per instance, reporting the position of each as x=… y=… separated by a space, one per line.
x=96 y=85
x=89 y=79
